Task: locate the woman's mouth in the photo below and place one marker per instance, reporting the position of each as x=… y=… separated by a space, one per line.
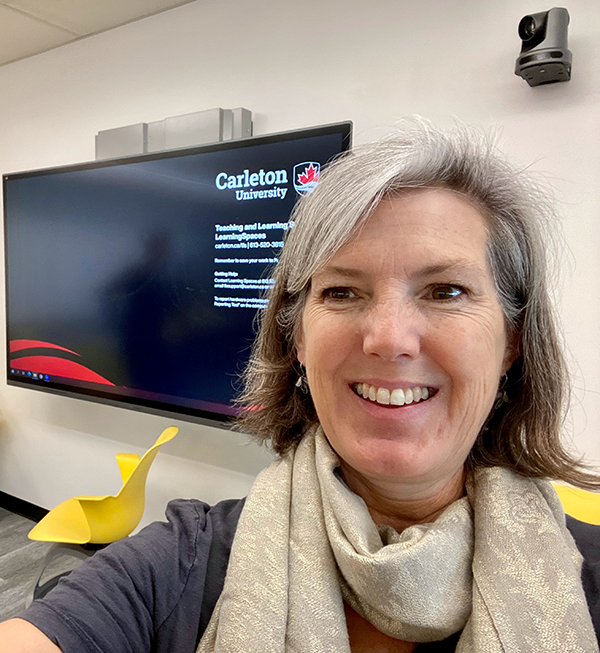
x=394 y=396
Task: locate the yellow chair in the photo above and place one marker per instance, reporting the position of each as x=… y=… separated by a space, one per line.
x=580 y=504
x=84 y=524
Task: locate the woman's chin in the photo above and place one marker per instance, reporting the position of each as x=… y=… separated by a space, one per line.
x=392 y=459
x=411 y=444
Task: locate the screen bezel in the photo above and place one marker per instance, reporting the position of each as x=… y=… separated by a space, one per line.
x=132 y=402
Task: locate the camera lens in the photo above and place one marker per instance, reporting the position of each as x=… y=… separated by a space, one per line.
x=527 y=28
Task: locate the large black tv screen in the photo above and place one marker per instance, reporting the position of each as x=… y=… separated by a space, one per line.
x=137 y=281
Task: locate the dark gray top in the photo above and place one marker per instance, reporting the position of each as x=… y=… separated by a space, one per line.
x=155 y=592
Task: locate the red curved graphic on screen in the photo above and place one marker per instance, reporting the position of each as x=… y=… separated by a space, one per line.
x=59 y=367
x=17 y=345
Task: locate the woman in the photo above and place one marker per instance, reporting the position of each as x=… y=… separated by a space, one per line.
x=409 y=375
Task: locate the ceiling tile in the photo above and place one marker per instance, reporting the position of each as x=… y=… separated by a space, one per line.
x=21 y=36
x=91 y=16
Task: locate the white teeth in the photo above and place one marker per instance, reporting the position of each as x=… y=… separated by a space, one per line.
x=395 y=397
x=383 y=396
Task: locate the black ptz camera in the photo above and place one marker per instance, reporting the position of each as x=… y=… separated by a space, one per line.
x=545 y=57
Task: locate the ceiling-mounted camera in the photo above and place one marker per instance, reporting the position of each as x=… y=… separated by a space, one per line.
x=545 y=57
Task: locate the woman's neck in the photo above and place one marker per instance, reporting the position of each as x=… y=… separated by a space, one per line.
x=401 y=505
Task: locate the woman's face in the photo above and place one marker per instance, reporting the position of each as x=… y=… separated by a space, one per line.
x=408 y=307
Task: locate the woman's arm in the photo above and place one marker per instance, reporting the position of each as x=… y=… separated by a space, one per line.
x=146 y=592
x=19 y=636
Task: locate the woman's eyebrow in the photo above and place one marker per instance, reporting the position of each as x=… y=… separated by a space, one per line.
x=453 y=265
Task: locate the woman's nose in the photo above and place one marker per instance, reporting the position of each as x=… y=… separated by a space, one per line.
x=393 y=329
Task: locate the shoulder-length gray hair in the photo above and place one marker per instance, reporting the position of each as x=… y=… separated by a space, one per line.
x=523 y=433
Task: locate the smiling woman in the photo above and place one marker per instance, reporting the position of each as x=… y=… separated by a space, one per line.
x=512 y=215
x=408 y=373
x=411 y=300
x=407 y=307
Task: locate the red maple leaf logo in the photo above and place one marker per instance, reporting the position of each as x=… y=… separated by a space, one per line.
x=311 y=174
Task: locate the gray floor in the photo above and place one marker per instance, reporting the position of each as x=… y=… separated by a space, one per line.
x=20 y=561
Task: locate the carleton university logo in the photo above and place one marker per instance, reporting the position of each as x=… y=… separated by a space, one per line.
x=306 y=177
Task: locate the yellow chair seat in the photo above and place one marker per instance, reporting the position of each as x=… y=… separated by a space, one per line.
x=580 y=504
x=101 y=520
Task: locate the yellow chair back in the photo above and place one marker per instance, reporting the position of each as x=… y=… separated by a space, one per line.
x=101 y=520
x=580 y=504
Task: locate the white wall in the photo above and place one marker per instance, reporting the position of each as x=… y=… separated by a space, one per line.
x=297 y=64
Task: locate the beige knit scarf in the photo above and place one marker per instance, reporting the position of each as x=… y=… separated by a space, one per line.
x=498 y=564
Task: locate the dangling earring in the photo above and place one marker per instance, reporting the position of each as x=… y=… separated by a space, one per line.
x=302 y=381
x=501 y=395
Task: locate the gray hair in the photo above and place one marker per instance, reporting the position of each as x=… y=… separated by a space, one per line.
x=523 y=433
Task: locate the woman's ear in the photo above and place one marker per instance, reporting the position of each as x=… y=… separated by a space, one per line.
x=299 y=345
x=513 y=348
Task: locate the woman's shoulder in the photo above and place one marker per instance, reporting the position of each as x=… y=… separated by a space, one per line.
x=216 y=525
x=190 y=519
x=587 y=538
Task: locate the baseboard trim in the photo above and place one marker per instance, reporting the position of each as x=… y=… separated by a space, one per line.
x=21 y=507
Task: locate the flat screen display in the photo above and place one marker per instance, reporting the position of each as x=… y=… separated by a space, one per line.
x=137 y=281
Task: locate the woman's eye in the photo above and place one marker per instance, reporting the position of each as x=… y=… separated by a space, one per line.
x=338 y=294
x=446 y=291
